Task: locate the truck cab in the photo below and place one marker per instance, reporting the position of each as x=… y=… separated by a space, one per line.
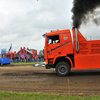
x=58 y=49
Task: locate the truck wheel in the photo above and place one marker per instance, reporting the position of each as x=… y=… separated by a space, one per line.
x=1 y=63
x=62 y=69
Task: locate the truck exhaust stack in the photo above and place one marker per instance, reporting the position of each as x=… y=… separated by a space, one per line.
x=77 y=42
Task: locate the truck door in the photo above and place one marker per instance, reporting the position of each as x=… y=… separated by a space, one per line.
x=67 y=47
x=53 y=46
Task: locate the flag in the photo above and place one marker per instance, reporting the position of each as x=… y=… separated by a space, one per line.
x=10 y=48
x=43 y=35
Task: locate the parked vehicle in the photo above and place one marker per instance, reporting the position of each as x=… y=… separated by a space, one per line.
x=4 y=61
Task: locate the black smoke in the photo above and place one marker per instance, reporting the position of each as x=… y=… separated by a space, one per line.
x=84 y=9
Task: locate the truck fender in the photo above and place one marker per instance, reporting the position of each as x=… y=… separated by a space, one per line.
x=56 y=58
x=70 y=62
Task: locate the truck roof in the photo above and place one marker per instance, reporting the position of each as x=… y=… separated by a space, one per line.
x=58 y=32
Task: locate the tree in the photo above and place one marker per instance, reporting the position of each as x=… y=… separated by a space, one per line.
x=41 y=53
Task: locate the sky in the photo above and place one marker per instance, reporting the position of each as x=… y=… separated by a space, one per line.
x=23 y=22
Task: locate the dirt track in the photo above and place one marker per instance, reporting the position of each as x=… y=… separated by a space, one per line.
x=38 y=79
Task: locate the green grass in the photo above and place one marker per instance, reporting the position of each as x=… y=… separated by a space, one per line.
x=24 y=63
x=31 y=96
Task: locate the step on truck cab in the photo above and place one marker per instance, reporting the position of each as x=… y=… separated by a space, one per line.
x=64 y=51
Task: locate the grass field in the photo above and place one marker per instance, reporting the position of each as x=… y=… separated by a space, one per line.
x=24 y=63
x=30 y=96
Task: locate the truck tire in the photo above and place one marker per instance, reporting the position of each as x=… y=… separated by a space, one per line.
x=62 y=69
x=0 y=63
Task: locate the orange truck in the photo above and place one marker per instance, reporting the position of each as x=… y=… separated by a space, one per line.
x=65 y=51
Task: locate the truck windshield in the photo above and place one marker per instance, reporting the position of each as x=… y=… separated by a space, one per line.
x=53 y=39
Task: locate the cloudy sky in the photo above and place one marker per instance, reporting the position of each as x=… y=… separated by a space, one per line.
x=22 y=22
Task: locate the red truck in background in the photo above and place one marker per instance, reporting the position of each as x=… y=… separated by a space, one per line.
x=65 y=52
